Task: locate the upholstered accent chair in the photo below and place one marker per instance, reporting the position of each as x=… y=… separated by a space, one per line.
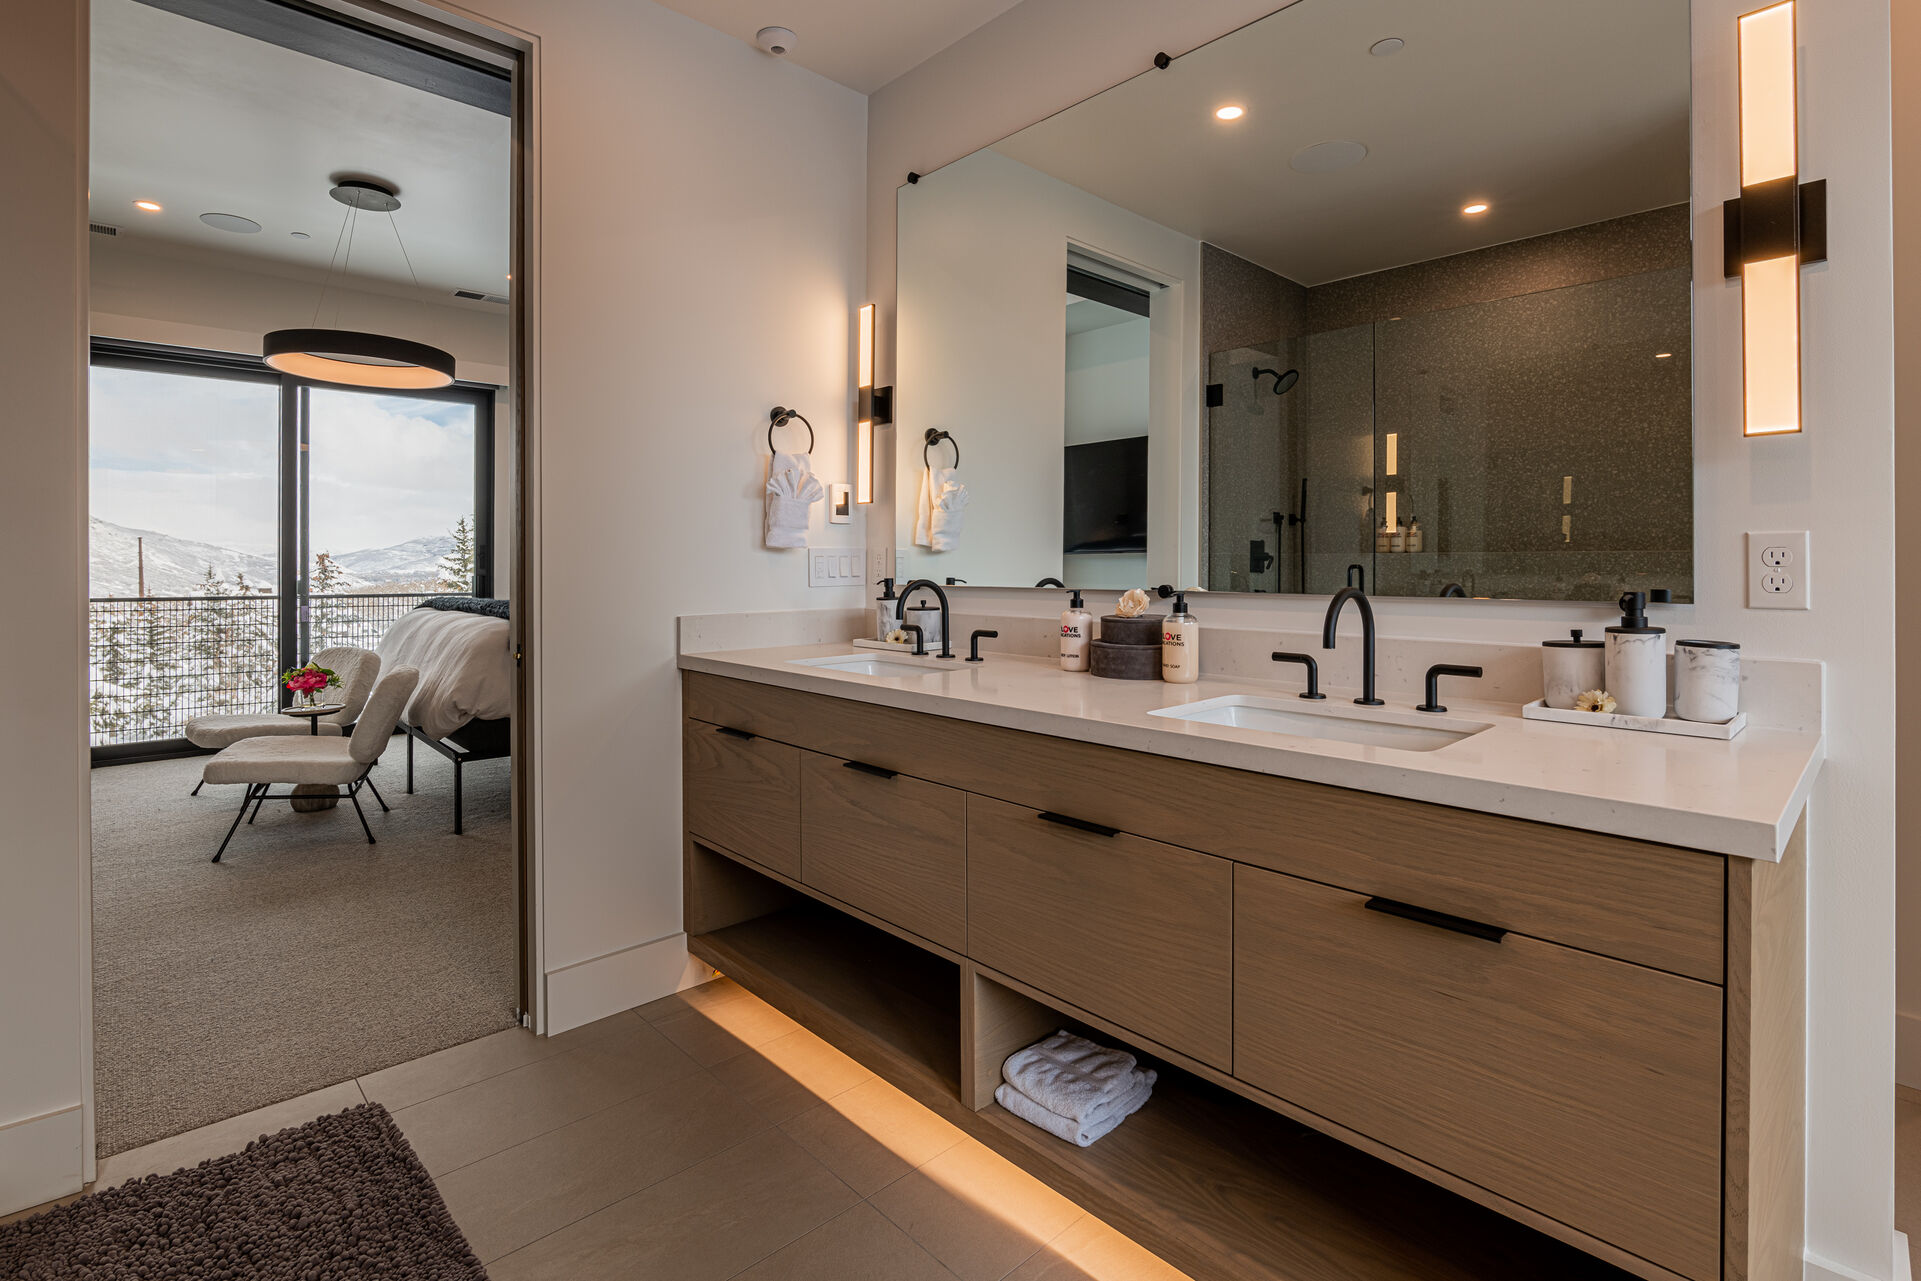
x=356 y=669
x=319 y=761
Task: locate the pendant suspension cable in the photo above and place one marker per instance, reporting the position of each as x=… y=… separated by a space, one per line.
x=346 y=265
x=327 y=283
x=420 y=295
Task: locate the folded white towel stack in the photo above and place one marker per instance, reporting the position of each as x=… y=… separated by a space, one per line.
x=792 y=491
x=1072 y=1088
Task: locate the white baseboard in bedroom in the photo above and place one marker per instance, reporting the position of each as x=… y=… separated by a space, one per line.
x=593 y=989
x=40 y=1159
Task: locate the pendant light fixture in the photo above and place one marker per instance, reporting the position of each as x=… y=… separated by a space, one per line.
x=349 y=356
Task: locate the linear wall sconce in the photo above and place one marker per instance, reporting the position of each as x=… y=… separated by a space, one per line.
x=873 y=405
x=1777 y=224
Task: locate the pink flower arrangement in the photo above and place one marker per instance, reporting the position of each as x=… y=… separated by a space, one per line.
x=309 y=680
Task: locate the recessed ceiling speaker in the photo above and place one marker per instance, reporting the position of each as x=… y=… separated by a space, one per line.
x=1327 y=157
x=230 y=222
x=1385 y=48
x=778 y=41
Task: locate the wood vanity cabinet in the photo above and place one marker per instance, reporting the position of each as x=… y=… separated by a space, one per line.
x=1598 y=1037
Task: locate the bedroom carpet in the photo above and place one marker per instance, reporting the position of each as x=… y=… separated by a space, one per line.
x=305 y=957
x=341 y=1197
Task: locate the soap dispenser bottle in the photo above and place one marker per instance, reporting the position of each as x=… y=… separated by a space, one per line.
x=885 y=620
x=1636 y=659
x=1076 y=626
x=1180 y=645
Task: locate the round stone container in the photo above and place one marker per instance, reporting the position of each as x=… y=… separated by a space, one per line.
x=1707 y=680
x=1144 y=630
x=1124 y=662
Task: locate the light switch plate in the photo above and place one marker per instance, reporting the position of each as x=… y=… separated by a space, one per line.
x=835 y=566
x=1778 y=570
x=840 y=503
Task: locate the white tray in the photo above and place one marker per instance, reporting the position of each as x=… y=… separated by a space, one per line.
x=1538 y=710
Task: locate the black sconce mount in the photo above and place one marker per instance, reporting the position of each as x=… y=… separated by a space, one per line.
x=1773 y=219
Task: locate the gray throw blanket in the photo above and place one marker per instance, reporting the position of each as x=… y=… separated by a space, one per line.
x=488 y=606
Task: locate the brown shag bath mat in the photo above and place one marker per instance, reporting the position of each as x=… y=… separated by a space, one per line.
x=337 y=1199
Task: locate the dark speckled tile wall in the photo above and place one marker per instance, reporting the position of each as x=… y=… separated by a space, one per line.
x=1544 y=441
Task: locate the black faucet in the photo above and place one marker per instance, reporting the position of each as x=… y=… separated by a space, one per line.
x=1434 y=674
x=1359 y=597
x=1052 y=582
x=974 y=644
x=1313 y=671
x=920 y=639
x=1454 y=589
x=946 y=619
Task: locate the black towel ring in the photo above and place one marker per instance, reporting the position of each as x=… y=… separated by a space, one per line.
x=779 y=417
x=933 y=438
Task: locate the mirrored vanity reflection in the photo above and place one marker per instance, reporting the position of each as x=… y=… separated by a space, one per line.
x=1319 y=304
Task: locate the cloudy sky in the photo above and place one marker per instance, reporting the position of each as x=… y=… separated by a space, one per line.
x=197 y=458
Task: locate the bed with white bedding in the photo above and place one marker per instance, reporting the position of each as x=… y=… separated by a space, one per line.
x=462 y=706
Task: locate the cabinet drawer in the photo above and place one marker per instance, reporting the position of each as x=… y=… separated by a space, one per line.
x=743 y=793
x=886 y=843
x=1585 y=1088
x=1129 y=929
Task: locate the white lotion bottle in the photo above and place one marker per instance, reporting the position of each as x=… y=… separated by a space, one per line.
x=1077 y=626
x=1637 y=661
x=1180 y=645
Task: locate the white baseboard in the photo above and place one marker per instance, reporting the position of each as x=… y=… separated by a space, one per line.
x=1903 y=1265
x=1907 y=1049
x=593 y=989
x=1814 y=1268
x=41 y=1159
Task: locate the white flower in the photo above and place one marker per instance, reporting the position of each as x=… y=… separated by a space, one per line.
x=1595 y=700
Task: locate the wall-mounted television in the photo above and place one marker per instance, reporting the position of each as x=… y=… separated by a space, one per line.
x=1106 y=507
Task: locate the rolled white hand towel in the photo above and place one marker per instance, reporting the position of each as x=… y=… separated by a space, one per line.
x=1070 y=1075
x=792 y=491
x=1089 y=1129
x=948 y=514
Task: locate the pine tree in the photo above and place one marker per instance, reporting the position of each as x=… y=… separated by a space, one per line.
x=457 y=566
x=332 y=620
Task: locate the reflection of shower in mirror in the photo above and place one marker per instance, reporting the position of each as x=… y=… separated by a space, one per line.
x=1283 y=382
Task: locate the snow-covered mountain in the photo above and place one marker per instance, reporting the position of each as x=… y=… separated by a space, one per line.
x=175 y=566
x=178 y=566
x=412 y=561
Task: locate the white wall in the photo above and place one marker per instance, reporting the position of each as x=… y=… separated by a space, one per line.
x=1907 y=265
x=1108 y=399
x=225 y=303
x=983 y=354
x=699 y=260
x=1835 y=480
x=45 y=1023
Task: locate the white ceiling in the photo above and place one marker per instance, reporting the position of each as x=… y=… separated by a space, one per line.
x=202 y=120
x=863 y=44
x=1557 y=114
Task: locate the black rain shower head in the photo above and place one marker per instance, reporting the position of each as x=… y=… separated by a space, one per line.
x=1283 y=382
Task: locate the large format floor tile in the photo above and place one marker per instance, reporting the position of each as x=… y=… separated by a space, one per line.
x=977 y=1212
x=860 y=1245
x=872 y=1135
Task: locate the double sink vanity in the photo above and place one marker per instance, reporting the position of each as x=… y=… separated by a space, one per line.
x=1458 y=995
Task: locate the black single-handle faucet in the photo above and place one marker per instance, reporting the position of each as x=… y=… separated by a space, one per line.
x=1434 y=674
x=946 y=617
x=974 y=644
x=1359 y=597
x=920 y=639
x=1052 y=582
x=1313 y=671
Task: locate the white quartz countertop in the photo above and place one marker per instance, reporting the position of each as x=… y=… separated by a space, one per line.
x=1740 y=797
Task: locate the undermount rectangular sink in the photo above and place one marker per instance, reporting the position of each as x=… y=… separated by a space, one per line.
x=1404 y=731
x=867 y=665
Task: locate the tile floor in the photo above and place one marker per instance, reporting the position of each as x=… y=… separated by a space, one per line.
x=702 y=1137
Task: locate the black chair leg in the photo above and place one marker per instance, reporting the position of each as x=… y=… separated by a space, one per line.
x=244 y=802
x=257 y=804
x=456 y=796
x=197 y=786
x=385 y=808
x=353 y=795
x=410 y=764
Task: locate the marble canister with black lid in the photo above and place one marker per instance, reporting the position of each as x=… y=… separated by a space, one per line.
x=1570 y=668
x=1707 y=680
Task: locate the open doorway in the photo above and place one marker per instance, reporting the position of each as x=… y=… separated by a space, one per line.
x=261 y=167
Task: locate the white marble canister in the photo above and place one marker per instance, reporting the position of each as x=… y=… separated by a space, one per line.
x=1707 y=680
x=1569 y=669
x=1637 y=670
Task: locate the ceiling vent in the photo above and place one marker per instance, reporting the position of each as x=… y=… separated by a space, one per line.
x=102 y=229
x=474 y=295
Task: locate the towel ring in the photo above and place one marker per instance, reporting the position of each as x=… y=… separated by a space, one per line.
x=779 y=417
x=933 y=438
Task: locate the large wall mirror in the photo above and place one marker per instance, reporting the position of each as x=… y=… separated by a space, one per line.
x=1376 y=289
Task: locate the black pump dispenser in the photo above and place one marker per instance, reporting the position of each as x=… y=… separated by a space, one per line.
x=1634 y=606
x=1074 y=601
x=887 y=589
x=1180 y=603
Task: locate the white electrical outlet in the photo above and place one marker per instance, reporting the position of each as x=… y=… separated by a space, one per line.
x=835 y=566
x=1778 y=570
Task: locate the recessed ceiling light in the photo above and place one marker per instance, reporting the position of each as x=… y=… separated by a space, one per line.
x=230 y=222
x=300 y=235
x=1478 y=207
x=1327 y=157
x=1230 y=113
x=147 y=206
x=1388 y=47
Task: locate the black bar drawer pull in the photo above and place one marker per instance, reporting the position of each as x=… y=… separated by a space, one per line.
x=740 y=734
x=1440 y=920
x=876 y=770
x=1048 y=816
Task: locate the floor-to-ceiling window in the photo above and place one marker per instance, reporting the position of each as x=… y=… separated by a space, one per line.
x=242 y=520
